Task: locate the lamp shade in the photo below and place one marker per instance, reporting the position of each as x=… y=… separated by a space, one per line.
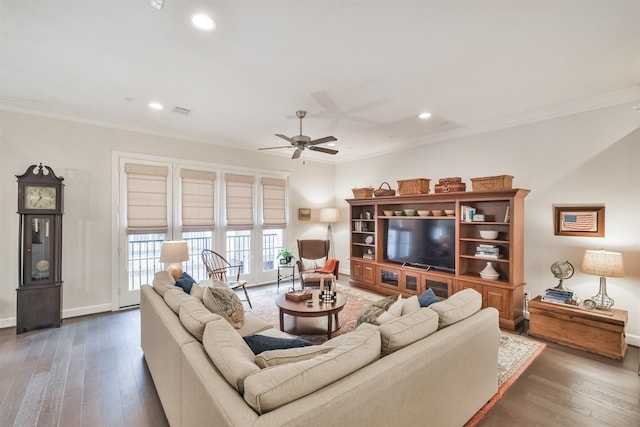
x=329 y=215
x=174 y=251
x=602 y=263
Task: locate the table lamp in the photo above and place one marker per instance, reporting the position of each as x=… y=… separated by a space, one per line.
x=329 y=215
x=604 y=264
x=173 y=253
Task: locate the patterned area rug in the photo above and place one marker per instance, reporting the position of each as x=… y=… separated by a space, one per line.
x=515 y=353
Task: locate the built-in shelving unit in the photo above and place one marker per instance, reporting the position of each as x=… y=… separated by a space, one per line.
x=503 y=211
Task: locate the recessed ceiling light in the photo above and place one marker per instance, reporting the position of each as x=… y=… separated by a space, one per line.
x=424 y=115
x=203 y=22
x=155 y=106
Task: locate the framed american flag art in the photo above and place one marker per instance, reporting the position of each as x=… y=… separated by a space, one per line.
x=582 y=221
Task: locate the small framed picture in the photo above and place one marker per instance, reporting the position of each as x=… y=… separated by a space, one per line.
x=582 y=221
x=304 y=214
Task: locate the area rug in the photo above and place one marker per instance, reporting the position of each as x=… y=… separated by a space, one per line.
x=515 y=352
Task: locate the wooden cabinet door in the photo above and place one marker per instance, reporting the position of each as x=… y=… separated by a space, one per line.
x=356 y=270
x=497 y=298
x=368 y=273
x=411 y=282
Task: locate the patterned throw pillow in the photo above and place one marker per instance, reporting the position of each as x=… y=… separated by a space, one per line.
x=224 y=302
x=374 y=310
x=313 y=264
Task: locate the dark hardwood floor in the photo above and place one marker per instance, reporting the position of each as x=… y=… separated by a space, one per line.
x=91 y=372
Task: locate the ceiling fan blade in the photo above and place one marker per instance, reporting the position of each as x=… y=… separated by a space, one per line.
x=273 y=148
x=323 y=150
x=297 y=153
x=322 y=140
x=285 y=137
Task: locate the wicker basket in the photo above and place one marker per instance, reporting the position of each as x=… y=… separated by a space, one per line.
x=450 y=180
x=450 y=188
x=362 y=193
x=408 y=187
x=382 y=192
x=491 y=183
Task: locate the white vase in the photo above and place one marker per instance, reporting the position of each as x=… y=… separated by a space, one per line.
x=489 y=272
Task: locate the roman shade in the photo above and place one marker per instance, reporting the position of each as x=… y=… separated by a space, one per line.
x=146 y=198
x=273 y=202
x=197 y=199
x=239 y=200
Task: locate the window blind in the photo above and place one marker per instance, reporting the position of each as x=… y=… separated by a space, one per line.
x=273 y=202
x=146 y=198
x=239 y=200
x=197 y=199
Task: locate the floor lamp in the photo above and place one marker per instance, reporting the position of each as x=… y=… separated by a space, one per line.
x=329 y=215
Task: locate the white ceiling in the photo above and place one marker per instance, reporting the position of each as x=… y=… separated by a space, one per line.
x=363 y=70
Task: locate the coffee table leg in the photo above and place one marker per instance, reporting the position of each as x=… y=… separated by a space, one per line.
x=329 y=326
x=281 y=320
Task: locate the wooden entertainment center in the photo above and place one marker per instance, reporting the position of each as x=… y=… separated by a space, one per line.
x=503 y=211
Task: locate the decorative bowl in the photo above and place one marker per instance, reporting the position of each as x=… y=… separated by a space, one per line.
x=488 y=234
x=437 y=212
x=489 y=276
x=410 y=212
x=398 y=213
x=388 y=213
x=424 y=212
x=449 y=212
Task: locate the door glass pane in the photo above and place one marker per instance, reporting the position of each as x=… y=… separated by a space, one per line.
x=238 y=251
x=197 y=241
x=272 y=242
x=143 y=257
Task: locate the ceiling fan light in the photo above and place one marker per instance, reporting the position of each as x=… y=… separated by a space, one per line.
x=424 y=115
x=203 y=22
x=331 y=144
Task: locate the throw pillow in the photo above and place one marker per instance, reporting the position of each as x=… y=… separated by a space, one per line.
x=224 y=302
x=197 y=290
x=185 y=282
x=427 y=298
x=371 y=312
x=289 y=355
x=260 y=343
x=162 y=281
x=313 y=264
x=410 y=305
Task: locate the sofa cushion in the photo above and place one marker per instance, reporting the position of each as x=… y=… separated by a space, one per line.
x=228 y=352
x=224 y=302
x=407 y=329
x=260 y=343
x=175 y=297
x=194 y=316
x=458 y=306
x=313 y=264
x=427 y=298
x=185 y=282
x=162 y=281
x=271 y=388
x=289 y=355
x=253 y=325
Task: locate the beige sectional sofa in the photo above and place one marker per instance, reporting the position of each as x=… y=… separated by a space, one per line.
x=434 y=366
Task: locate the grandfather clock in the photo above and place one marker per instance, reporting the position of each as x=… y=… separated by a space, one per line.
x=40 y=207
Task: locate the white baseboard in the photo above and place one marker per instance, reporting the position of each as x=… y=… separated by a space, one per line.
x=10 y=322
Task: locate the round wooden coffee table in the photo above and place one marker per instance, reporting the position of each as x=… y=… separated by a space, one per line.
x=300 y=309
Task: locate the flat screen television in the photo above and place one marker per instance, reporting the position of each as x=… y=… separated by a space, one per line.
x=428 y=243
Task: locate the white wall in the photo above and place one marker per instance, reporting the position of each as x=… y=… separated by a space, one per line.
x=82 y=154
x=588 y=158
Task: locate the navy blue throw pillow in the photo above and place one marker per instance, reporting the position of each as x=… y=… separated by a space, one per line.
x=427 y=298
x=260 y=343
x=185 y=282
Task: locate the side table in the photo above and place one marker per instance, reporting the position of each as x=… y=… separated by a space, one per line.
x=287 y=272
x=594 y=331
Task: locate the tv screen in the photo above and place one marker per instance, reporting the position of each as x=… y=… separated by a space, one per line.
x=421 y=243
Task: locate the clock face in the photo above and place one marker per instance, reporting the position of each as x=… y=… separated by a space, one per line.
x=40 y=197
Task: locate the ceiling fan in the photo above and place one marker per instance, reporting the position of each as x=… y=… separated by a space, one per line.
x=302 y=142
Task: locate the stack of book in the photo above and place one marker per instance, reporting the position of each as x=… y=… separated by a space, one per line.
x=488 y=251
x=560 y=296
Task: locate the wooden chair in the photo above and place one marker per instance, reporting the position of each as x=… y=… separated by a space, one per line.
x=218 y=267
x=310 y=250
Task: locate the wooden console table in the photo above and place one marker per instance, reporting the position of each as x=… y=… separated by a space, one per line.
x=590 y=330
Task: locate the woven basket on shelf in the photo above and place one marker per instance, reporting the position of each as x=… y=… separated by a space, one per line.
x=491 y=183
x=381 y=192
x=413 y=186
x=362 y=193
